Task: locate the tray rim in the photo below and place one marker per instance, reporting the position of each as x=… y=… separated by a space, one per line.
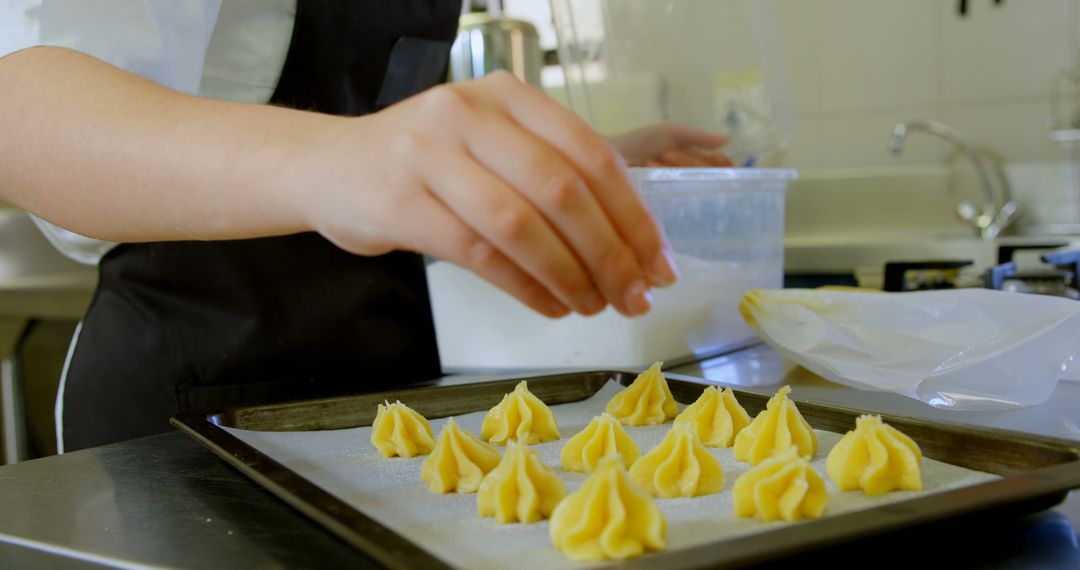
x=1046 y=486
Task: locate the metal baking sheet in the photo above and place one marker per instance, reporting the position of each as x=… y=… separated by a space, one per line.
x=1037 y=472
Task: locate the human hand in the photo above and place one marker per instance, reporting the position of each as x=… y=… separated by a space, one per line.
x=495 y=177
x=671 y=144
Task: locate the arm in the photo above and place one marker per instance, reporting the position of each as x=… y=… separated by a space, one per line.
x=489 y=174
x=110 y=155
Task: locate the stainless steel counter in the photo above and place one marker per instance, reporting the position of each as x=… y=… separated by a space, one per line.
x=165 y=501
x=157 y=501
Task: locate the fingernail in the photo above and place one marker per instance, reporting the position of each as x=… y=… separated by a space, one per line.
x=593 y=303
x=557 y=310
x=621 y=160
x=664 y=272
x=638 y=299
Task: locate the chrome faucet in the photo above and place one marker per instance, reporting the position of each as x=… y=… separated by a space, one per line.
x=998 y=209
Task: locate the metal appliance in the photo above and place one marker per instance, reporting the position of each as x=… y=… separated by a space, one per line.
x=488 y=42
x=1058 y=276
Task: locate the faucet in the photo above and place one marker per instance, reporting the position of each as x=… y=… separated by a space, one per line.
x=989 y=220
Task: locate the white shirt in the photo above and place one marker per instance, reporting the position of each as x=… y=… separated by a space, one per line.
x=222 y=49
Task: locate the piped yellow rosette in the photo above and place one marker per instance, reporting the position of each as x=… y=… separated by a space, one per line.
x=774 y=430
x=520 y=489
x=458 y=462
x=876 y=458
x=607 y=518
x=679 y=466
x=783 y=487
x=646 y=401
x=399 y=430
x=602 y=437
x=716 y=416
x=521 y=417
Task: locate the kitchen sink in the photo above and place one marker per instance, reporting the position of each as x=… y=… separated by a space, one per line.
x=851 y=220
x=839 y=254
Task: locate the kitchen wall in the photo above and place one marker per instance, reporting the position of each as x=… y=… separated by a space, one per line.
x=855 y=67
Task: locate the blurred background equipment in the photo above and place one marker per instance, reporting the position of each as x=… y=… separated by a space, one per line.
x=713 y=64
x=1058 y=209
x=489 y=41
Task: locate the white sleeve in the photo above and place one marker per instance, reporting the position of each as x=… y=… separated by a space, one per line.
x=162 y=40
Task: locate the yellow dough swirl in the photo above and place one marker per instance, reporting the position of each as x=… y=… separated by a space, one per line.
x=783 y=487
x=774 y=430
x=400 y=430
x=679 y=466
x=646 y=401
x=458 y=462
x=520 y=416
x=602 y=437
x=521 y=489
x=716 y=416
x=876 y=458
x=607 y=518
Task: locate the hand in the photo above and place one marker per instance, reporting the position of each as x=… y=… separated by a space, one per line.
x=495 y=177
x=671 y=144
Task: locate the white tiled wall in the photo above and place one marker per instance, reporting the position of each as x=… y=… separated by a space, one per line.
x=857 y=66
x=875 y=56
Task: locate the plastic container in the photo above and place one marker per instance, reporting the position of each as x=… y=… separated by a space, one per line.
x=726 y=227
x=714 y=64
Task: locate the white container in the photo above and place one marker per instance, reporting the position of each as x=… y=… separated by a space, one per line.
x=726 y=227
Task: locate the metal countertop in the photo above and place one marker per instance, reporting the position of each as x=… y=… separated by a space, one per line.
x=157 y=501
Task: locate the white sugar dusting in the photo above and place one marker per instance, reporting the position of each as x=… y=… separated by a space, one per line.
x=344 y=463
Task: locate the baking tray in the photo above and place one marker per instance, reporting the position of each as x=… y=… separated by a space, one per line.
x=1037 y=472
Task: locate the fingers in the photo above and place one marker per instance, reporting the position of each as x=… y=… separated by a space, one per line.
x=556 y=189
x=719 y=159
x=445 y=236
x=600 y=167
x=682 y=158
x=509 y=223
x=686 y=136
x=691 y=158
x=686 y=146
x=672 y=144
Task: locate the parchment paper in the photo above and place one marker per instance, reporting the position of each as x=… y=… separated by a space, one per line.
x=344 y=463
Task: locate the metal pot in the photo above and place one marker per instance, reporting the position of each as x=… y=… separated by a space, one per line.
x=487 y=43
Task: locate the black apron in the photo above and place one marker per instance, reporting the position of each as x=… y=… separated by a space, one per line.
x=178 y=326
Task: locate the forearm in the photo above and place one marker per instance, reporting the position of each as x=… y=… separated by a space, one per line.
x=110 y=155
x=489 y=174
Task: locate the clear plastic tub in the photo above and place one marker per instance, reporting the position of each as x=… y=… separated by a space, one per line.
x=726 y=227
x=714 y=64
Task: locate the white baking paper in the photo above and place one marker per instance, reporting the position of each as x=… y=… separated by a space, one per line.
x=344 y=463
x=954 y=349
